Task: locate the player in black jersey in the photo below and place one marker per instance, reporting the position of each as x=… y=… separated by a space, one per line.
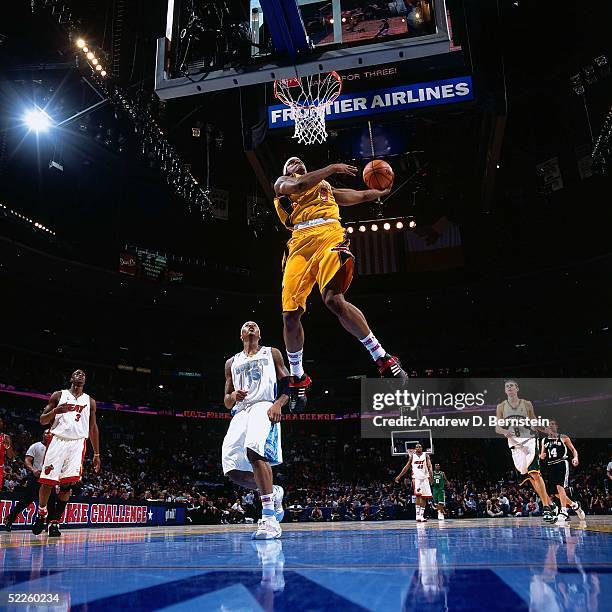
x=555 y=456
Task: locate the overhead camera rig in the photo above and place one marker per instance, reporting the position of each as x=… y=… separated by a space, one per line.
x=211 y=45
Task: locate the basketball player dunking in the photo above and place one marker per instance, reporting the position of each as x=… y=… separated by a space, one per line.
x=422 y=475
x=72 y=415
x=6 y=450
x=318 y=252
x=555 y=457
x=256 y=389
x=524 y=446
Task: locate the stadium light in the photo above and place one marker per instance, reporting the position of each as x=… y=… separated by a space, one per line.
x=399 y=225
x=80 y=43
x=103 y=73
x=387 y=226
x=374 y=227
x=412 y=224
x=350 y=229
x=90 y=56
x=94 y=61
x=37 y=120
x=362 y=228
x=85 y=49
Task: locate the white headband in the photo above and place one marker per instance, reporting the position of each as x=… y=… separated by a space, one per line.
x=287 y=163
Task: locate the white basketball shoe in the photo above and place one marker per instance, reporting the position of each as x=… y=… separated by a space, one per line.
x=579 y=511
x=279 y=511
x=268 y=528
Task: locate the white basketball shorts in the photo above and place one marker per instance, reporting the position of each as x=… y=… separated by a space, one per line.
x=63 y=461
x=251 y=428
x=421 y=488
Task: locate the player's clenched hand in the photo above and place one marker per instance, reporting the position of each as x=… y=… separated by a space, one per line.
x=345 y=169
x=97 y=464
x=274 y=413
x=575 y=461
x=239 y=395
x=397 y=479
x=61 y=409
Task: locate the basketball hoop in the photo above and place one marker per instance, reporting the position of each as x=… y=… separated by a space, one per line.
x=309 y=97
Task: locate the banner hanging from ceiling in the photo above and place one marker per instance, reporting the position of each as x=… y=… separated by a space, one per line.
x=391 y=99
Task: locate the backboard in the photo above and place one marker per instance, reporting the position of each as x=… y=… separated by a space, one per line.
x=342 y=35
x=403 y=442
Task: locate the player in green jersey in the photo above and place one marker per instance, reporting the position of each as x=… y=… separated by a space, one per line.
x=437 y=488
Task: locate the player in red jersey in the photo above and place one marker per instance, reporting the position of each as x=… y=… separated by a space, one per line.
x=6 y=450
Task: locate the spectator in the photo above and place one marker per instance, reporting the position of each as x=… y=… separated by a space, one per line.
x=493 y=508
x=504 y=503
x=316 y=515
x=296 y=511
x=532 y=508
x=470 y=506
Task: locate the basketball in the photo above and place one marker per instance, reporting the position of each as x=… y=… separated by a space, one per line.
x=378 y=174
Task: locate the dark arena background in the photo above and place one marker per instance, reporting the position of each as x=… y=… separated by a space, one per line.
x=140 y=143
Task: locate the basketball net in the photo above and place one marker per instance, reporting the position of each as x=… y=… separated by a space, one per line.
x=309 y=97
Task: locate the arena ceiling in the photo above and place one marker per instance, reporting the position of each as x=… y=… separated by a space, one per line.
x=108 y=194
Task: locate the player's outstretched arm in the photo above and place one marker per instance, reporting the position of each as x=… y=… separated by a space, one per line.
x=404 y=470
x=94 y=434
x=290 y=185
x=351 y=197
x=50 y=410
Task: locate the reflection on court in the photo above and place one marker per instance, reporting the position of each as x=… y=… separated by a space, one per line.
x=503 y=564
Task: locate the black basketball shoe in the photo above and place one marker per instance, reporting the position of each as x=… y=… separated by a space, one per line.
x=54 y=531
x=40 y=524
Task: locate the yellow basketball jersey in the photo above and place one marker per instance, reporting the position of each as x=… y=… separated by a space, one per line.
x=314 y=203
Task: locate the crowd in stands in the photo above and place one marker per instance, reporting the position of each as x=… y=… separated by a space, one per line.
x=329 y=473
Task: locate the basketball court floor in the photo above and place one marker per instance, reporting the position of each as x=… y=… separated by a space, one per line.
x=492 y=564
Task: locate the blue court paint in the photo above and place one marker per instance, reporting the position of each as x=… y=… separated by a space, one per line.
x=464 y=565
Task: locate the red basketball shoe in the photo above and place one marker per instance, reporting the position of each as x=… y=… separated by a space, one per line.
x=298 y=388
x=389 y=366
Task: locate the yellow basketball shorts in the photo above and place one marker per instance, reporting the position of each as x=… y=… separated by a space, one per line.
x=315 y=255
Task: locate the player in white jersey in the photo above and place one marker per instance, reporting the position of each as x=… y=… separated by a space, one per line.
x=523 y=443
x=422 y=475
x=72 y=415
x=256 y=389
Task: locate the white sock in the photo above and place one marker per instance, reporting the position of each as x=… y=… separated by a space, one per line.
x=276 y=491
x=575 y=506
x=267 y=504
x=373 y=346
x=295 y=363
